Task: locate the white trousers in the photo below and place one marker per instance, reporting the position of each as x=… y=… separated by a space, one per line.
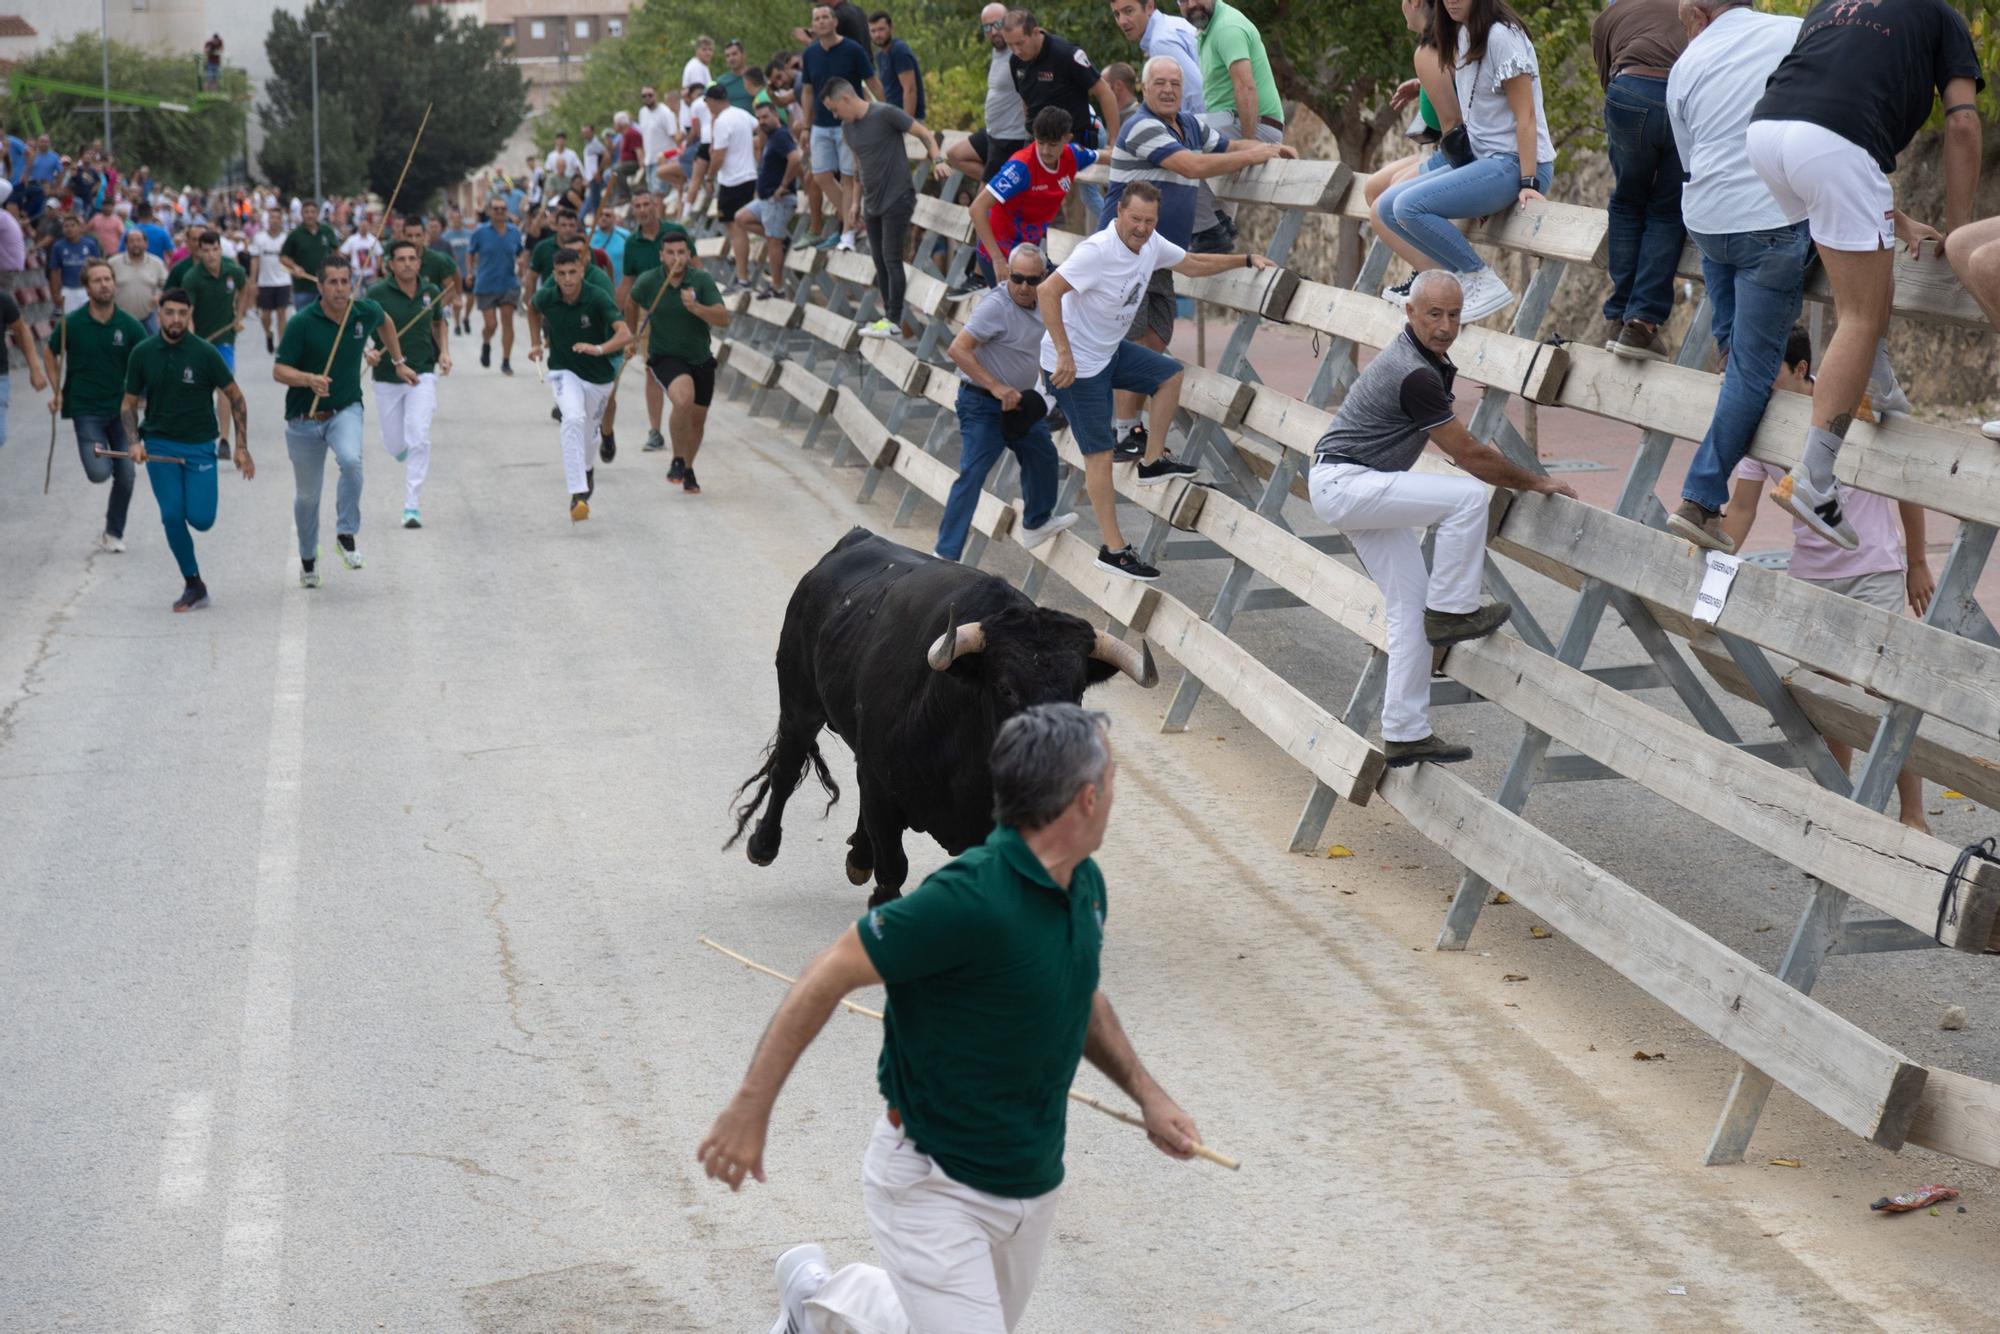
x=958 y=1261
x=1384 y=515
x=405 y=411
x=582 y=404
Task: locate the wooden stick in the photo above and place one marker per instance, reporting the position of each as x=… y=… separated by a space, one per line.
x=1200 y=1150
x=55 y=418
x=104 y=453
x=414 y=319
x=389 y=211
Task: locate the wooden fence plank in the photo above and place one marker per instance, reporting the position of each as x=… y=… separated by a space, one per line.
x=1521 y=366
x=1959 y=1115
x=754 y=366
x=810 y=392
x=897 y=364
x=933 y=476
x=1309 y=183
x=1216 y=398
x=776 y=313
x=837 y=331
x=868 y=435
x=950 y=221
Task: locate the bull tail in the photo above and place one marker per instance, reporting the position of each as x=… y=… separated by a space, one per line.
x=747 y=810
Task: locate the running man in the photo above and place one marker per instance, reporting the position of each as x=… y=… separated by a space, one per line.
x=416 y=310
x=678 y=356
x=992 y=969
x=493 y=255
x=435 y=264
x=597 y=273
x=459 y=237
x=323 y=407
x=221 y=294
x=177 y=375
x=67 y=256
x=585 y=334
x=642 y=256
x=94 y=345
x=274 y=285
x=305 y=249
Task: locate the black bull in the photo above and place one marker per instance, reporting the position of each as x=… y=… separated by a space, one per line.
x=914 y=662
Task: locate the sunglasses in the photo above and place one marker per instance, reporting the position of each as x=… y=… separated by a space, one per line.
x=1027 y=280
x=989 y=27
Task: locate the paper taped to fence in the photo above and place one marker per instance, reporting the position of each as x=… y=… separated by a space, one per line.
x=1715 y=586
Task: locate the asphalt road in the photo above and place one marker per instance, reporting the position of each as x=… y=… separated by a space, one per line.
x=347 y=940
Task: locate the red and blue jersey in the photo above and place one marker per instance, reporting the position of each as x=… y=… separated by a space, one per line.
x=1031 y=194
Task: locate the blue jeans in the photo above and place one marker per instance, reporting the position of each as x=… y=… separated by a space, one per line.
x=1755 y=281
x=110 y=433
x=187 y=495
x=308 y=441
x=6 y=397
x=1087 y=401
x=300 y=300
x=980 y=443
x=1646 y=234
x=1421 y=209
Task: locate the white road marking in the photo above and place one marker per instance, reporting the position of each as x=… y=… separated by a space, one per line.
x=184 y=1155
x=253 y=1235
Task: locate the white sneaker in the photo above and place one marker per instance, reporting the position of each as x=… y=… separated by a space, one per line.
x=1485 y=294
x=1991 y=430
x=1817 y=510
x=106 y=542
x=802 y=1272
x=1034 y=537
x=846 y=241
x=351 y=559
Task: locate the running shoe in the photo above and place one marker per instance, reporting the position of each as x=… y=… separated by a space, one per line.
x=607 y=447
x=678 y=471
x=688 y=483
x=106 y=542
x=879 y=329
x=1131 y=447
x=193 y=598
x=411 y=519
x=579 y=509
x=506 y=366
x=1817 y=510
x=655 y=441
x=828 y=242
x=344 y=544
x=1164 y=469
x=1399 y=295
x=802 y=1272
x=846 y=241
x=1034 y=537
x=1127 y=563
x=308 y=577
x=555 y=414
x=486 y=354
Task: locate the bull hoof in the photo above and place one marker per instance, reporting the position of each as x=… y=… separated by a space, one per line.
x=859 y=875
x=760 y=850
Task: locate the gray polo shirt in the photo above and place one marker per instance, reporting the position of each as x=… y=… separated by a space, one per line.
x=1010 y=339
x=1392 y=408
x=877 y=141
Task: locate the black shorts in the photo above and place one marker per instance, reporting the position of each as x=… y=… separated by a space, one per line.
x=730 y=199
x=668 y=369
x=994 y=152
x=701 y=154
x=274 y=298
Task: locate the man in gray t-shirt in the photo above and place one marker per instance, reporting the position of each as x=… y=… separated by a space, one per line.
x=1361 y=483
x=998 y=355
x=874 y=133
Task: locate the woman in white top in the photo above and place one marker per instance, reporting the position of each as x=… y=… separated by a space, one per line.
x=1437 y=105
x=1499 y=86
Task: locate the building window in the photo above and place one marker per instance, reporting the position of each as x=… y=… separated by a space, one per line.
x=614 y=27
x=582 y=30
x=538 y=31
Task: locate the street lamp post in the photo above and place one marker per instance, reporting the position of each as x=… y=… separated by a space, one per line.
x=319 y=189
x=104 y=17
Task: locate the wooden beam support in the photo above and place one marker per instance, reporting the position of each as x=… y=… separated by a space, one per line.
x=838 y=332
x=810 y=392
x=757 y=369
x=934 y=215
x=778 y=314
x=1521 y=366
x=870 y=438
x=898 y=365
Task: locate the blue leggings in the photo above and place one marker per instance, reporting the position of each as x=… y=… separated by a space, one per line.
x=187 y=495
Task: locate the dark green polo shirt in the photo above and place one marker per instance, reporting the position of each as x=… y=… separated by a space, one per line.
x=94 y=360
x=674 y=330
x=991 y=970
x=308 y=249
x=543 y=258
x=178 y=380
x=436 y=268
x=591 y=318
x=177 y=275
x=593 y=277
x=419 y=335
x=307 y=343
x=215 y=299
x=642 y=255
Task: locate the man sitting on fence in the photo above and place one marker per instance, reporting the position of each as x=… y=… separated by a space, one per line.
x=999 y=408
x=1362 y=484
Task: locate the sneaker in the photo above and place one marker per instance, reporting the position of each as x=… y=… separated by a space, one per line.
x=1430 y=750
x=1639 y=341
x=1701 y=526
x=688 y=483
x=1131 y=447
x=802 y=1271
x=810 y=241
x=1164 y=469
x=486 y=354
x=344 y=544
x=966 y=286
x=846 y=241
x=1485 y=294
x=1991 y=430
x=193 y=598
x=828 y=242
x=879 y=329
x=1453 y=627
x=1817 y=510
x=655 y=442
x=106 y=542
x=506 y=366
x=308 y=577
x=579 y=509
x=555 y=414
x=411 y=519
x=1890 y=400
x=607 y=447
x=1127 y=563
x=1034 y=537
x=1608 y=337
x=400 y=455
x=763 y=290
x=678 y=471
x=1399 y=295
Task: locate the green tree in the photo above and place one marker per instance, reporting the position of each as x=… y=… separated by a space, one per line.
x=190 y=147
x=387 y=61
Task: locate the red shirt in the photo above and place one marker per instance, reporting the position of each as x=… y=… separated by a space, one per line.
x=1031 y=195
x=632 y=146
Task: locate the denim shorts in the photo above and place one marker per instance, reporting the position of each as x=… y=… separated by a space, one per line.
x=830 y=151
x=1087 y=401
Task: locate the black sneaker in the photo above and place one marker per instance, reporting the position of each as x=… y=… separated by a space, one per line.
x=555 y=414
x=1127 y=563
x=506 y=366
x=486 y=354
x=654 y=441
x=1164 y=469
x=1399 y=295
x=193 y=597
x=678 y=471
x=607 y=447
x=967 y=285
x=1429 y=750
x=688 y=483
x=1131 y=448
x=1455 y=627
x=589 y=483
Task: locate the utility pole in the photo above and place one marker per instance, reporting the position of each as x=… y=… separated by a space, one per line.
x=104 y=18
x=319 y=189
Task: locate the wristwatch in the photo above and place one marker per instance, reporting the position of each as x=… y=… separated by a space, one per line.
x=1528 y=183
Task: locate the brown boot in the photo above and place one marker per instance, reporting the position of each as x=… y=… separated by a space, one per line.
x=1701 y=526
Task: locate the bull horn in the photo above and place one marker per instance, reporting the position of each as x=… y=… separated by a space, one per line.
x=953 y=645
x=1135 y=663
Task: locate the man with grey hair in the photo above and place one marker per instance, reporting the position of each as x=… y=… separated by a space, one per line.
x=1361 y=483
x=999 y=408
x=992 y=970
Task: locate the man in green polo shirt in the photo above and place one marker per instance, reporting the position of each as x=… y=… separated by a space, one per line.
x=584 y=332
x=416 y=312
x=678 y=305
x=319 y=363
x=642 y=255
x=435 y=267
x=93 y=345
x=176 y=375
x=306 y=247
x=1236 y=82
x=992 y=971
x=221 y=292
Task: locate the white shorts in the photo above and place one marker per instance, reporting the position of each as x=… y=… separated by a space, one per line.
x=1831 y=182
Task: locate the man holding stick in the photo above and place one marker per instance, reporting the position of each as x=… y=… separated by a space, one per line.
x=992 y=971
x=92 y=347
x=585 y=333
x=682 y=303
x=305 y=248
x=177 y=375
x=642 y=254
x=319 y=363
x=221 y=293
x=416 y=314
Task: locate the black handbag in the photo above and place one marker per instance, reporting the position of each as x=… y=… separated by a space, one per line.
x=1456 y=145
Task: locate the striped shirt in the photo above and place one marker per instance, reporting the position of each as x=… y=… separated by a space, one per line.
x=1144 y=143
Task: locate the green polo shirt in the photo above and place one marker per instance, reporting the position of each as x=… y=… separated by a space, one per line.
x=308 y=248
x=674 y=330
x=307 y=343
x=178 y=380
x=436 y=268
x=215 y=299
x=739 y=92
x=543 y=258
x=591 y=318
x=94 y=360
x=178 y=273
x=593 y=277
x=415 y=326
x=991 y=970
x=1228 y=38
x=642 y=254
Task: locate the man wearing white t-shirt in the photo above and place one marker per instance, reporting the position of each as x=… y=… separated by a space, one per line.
x=695 y=73
x=732 y=153
x=1088 y=305
x=364 y=252
x=686 y=172
x=274 y=285
x=659 y=127
x=562 y=162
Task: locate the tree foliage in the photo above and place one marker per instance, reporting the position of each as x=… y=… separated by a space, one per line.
x=387 y=61
x=189 y=147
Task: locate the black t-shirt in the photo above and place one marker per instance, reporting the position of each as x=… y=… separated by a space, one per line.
x=1869 y=70
x=851 y=21
x=1061 y=76
x=10 y=315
